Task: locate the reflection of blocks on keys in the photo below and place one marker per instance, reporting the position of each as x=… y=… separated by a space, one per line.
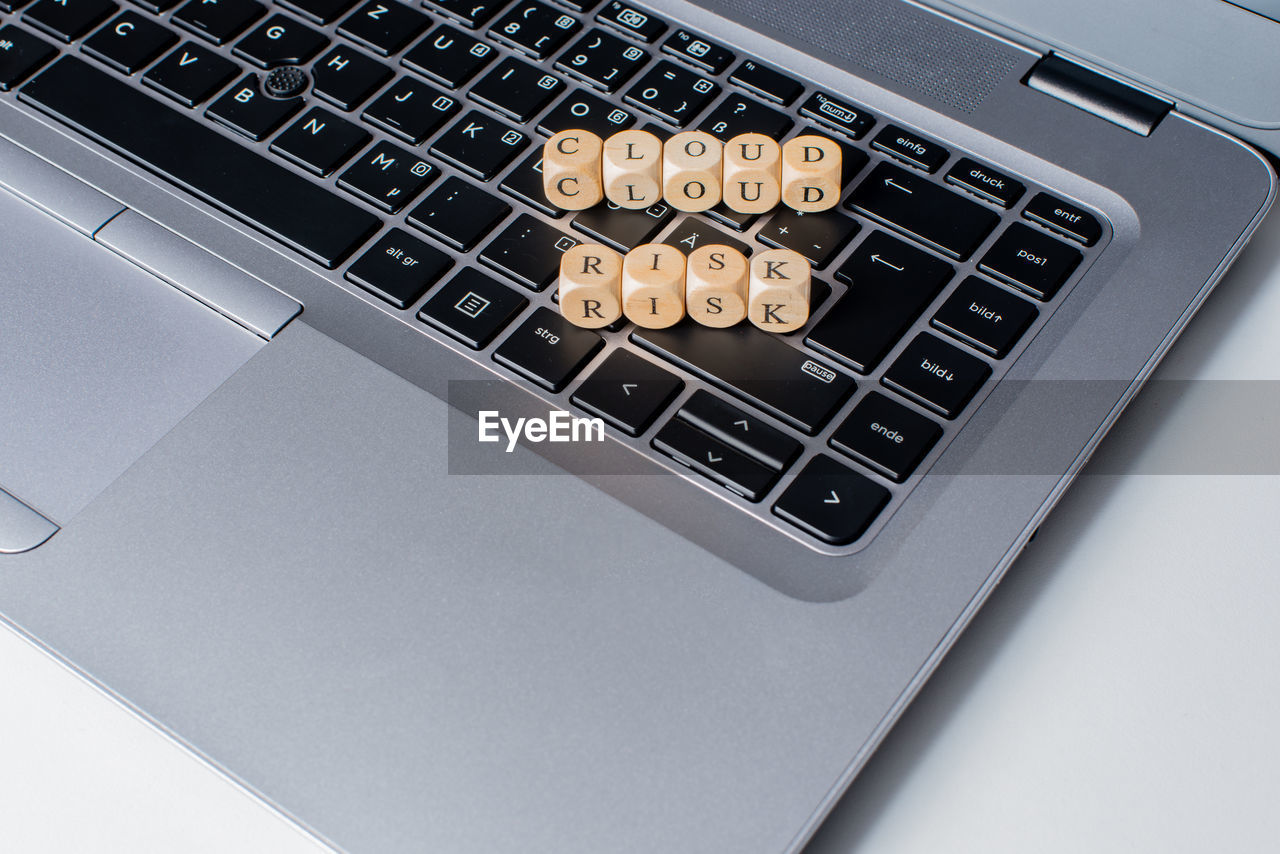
x=653 y=285
x=571 y=169
x=591 y=285
x=692 y=170
x=778 y=295
x=716 y=285
x=633 y=169
x=810 y=173
x=752 y=173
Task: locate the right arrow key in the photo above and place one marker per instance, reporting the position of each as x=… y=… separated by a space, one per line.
x=831 y=501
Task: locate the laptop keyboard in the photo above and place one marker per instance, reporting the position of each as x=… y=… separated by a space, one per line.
x=356 y=132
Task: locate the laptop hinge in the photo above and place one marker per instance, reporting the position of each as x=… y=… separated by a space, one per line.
x=1094 y=92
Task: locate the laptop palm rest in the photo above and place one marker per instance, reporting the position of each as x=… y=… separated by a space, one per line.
x=100 y=360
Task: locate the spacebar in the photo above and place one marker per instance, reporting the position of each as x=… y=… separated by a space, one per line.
x=265 y=195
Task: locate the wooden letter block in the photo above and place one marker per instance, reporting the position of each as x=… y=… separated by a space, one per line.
x=633 y=169
x=752 y=173
x=591 y=285
x=571 y=164
x=691 y=171
x=810 y=173
x=653 y=285
x=778 y=299
x=716 y=285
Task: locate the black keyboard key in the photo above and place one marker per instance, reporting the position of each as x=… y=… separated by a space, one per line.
x=472 y=308
x=910 y=148
x=411 y=110
x=218 y=22
x=319 y=11
x=398 y=268
x=583 y=111
x=890 y=284
x=984 y=182
x=280 y=40
x=707 y=55
x=672 y=93
x=922 y=209
x=129 y=43
x=388 y=177
x=768 y=82
x=840 y=115
x=68 y=20
x=471 y=13
x=289 y=208
x=480 y=145
x=623 y=229
x=602 y=60
x=548 y=349
x=1032 y=260
x=345 y=77
x=319 y=141
x=937 y=375
x=459 y=214
x=534 y=28
x=987 y=317
x=244 y=109
x=817 y=236
x=528 y=250
x=627 y=391
x=190 y=74
x=756 y=366
x=724 y=215
x=525 y=183
x=632 y=21
x=384 y=26
x=517 y=88
x=448 y=56
x=20 y=54
x=736 y=114
x=1065 y=218
x=693 y=233
x=887 y=436
x=745 y=432
x=714 y=459
x=831 y=501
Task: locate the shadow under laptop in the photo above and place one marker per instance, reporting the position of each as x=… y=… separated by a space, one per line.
x=1164 y=431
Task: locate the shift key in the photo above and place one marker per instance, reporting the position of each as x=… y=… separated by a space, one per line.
x=757 y=367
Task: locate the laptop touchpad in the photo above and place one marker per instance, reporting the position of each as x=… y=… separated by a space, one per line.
x=98 y=360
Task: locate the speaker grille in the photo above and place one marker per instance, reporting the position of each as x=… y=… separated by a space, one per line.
x=903 y=43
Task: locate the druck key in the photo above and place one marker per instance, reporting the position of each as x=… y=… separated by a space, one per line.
x=268 y=197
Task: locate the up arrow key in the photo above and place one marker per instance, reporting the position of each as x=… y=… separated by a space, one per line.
x=834 y=499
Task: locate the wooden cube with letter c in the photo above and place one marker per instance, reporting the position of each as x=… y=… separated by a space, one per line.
x=571 y=170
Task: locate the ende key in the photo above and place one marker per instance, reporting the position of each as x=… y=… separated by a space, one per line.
x=655 y=286
x=691 y=171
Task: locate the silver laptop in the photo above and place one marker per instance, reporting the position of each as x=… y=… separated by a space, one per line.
x=278 y=288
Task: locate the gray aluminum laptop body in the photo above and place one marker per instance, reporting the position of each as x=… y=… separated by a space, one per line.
x=249 y=532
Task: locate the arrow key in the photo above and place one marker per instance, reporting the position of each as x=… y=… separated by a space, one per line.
x=714 y=459
x=747 y=433
x=831 y=501
x=627 y=391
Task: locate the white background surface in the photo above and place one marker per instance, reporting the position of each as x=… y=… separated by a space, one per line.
x=1119 y=691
